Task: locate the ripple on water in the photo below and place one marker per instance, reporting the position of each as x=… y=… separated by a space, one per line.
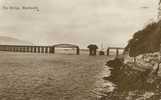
x=103 y=86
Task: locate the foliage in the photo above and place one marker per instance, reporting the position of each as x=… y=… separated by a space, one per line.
x=146 y=40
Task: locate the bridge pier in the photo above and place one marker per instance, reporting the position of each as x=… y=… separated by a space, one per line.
x=27 y=49
x=34 y=49
x=117 y=52
x=77 y=52
x=10 y=49
x=2 y=48
x=20 y=49
x=42 y=49
x=31 y=49
x=114 y=48
x=16 y=49
x=108 y=52
x=53 y=51
x=38 y=49
x=50 y=50
x=46 y=49
x=24 y=49
x=5 y=48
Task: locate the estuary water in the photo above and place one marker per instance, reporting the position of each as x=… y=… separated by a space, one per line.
x=103 y=86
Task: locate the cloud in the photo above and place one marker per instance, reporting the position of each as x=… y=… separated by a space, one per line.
x=77 y=21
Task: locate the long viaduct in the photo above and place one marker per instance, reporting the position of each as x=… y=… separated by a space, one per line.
x=37 y=49
x=48 y=49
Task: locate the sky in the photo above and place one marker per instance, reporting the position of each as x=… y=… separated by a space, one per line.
x=81 y=22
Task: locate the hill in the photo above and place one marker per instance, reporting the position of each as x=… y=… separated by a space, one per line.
x=147 y=40
x=5 y=40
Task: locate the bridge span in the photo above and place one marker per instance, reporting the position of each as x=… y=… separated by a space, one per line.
x=117 y=49
x=37 y=49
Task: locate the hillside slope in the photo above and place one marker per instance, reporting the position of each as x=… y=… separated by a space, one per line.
x=5 y=40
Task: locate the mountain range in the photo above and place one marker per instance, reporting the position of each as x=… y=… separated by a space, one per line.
x=6 y=40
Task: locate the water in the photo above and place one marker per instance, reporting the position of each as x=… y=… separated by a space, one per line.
x=103 y=86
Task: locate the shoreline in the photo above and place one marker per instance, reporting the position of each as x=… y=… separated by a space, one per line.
x=131 y=84
x=103 y=86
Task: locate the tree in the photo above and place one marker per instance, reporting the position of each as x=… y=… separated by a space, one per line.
x=146 y=40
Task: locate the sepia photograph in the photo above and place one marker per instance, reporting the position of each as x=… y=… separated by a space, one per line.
x=80 y=49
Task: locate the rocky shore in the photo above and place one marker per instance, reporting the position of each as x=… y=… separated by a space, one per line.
x=132 y=84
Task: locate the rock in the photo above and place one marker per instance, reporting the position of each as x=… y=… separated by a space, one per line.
x=128 y=79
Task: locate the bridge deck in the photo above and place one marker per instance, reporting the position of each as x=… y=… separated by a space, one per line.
x=36 y=49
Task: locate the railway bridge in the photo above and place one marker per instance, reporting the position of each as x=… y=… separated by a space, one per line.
x=117 y=49
x=37 y=49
